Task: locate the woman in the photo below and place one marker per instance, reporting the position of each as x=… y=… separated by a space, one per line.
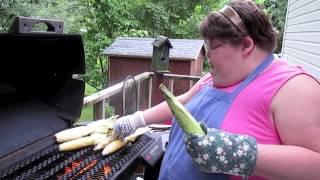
x=260 y=115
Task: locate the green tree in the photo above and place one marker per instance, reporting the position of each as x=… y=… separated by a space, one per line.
x=11 y=8
x=176 y=19
x=103 y=22
x=277 y=10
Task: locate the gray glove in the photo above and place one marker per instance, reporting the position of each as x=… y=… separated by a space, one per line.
x=127 y=125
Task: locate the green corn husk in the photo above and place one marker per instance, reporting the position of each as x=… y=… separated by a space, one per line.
x=185 y=120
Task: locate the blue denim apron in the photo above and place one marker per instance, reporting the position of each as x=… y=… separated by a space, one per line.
x=210 y=106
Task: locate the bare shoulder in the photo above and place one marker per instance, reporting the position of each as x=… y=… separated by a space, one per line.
x=196 y=87
x=296 y=112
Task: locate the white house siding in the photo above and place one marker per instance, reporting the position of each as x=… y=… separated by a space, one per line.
x=301 y=41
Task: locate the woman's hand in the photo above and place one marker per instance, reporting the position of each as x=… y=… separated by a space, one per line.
x=127 y=125
x=222 y=152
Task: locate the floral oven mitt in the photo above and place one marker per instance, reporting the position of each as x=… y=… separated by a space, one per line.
x=222 y=152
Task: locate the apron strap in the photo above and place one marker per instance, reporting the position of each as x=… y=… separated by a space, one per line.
x=253 y=75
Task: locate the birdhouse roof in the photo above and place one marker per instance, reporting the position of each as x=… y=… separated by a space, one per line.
x=160 y=41
x=182 y=49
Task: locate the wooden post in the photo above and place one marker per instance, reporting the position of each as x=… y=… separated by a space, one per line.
x=99 y=110
x=171 y=84
x=150 y=92
x=156 y=95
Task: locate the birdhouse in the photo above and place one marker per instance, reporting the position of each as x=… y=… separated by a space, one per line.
x=160 y=54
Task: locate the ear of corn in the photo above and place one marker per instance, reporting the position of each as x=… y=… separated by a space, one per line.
x=99 y=129
x=114 y=146
x=71 y=134
x=103 y=126
x=97 y=137
x=76 y=144
x=137 y=133
x=107 y=123
x=103 y=143
x=118 y=144
x=185 y=120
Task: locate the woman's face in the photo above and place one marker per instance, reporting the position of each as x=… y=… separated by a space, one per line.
x=224 y=58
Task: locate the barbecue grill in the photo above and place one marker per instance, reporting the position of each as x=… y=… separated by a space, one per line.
x=41 y=94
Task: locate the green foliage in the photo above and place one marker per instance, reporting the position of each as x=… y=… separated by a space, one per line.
x=67 y=11
x=104 y=21
x=11 y=8
x=260 y=2
x=277 y=10
x=89 y=90
x=176 y=19
x=86 y=114
x=101 y=21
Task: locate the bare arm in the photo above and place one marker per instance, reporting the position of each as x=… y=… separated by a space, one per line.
x=296 y=115
x=161 y=112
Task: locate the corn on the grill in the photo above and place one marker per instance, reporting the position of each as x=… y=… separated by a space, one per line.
x=107 y=123
x=103 y=143
x=114 y=146
x=118 y=144
x=100 y=126
x=71 y=134
x=97 y=137
x=97 y=133
x=185 y=120
x=76 y=144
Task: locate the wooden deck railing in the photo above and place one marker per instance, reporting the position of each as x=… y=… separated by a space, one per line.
x=173 y=77
x=99 y=99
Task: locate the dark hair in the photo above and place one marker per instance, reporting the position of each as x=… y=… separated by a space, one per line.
x=256 y=22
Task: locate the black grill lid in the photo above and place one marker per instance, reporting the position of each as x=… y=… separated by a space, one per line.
x=38 y=94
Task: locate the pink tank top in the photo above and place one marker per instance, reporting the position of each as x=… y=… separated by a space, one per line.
x=250 y=112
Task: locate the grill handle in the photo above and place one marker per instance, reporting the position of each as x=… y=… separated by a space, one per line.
x=26 y=24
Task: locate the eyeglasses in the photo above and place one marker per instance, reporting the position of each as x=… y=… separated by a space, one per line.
x=209 y=49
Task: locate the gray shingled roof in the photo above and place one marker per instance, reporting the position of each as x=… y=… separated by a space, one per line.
x=183 y=49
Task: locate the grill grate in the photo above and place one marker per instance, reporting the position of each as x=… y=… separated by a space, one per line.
x=79 y=164
x=30 y=162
